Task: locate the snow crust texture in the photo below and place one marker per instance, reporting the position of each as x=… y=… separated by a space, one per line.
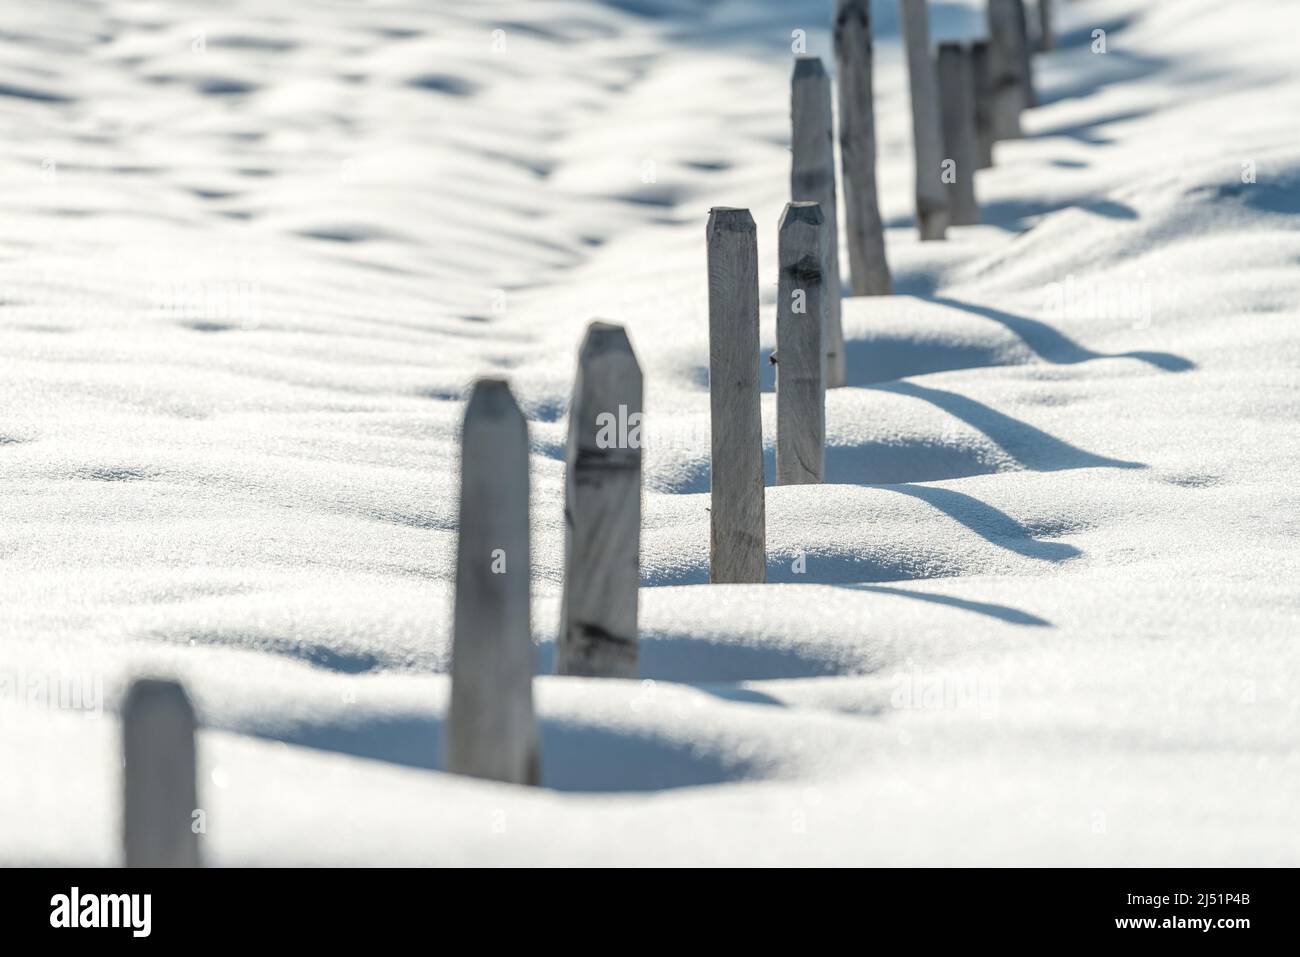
x=1044 y=610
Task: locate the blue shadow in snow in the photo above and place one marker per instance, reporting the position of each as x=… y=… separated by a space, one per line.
x=1032 y=448
x=1057 y=348
x=1013 y=214
x=1089 y=131
x=692 y=658
x=574 y=757
x=993 y=610
x=991 y=524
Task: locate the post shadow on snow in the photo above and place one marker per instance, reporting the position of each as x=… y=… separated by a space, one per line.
x=1056 y=347
x=700 y=660
x=1013 y=214
x=580 y=758
x=731 y=692
x=1085 y=131
x=1279 y=195
x=889 y=463
x=1121 y=64
x=991 y=609
x=1046 y=342
x=921 y=460
x=1031 y=447
x=340 y=661
x=886 y=358
x=991 y=524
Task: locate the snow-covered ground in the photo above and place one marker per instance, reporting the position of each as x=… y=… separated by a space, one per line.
x=251 y=255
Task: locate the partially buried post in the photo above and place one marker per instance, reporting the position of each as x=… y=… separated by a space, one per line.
x=602 y=510
x=491 y=729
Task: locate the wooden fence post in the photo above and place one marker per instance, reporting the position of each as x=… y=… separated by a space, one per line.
x=602 y=510
x=984 y=132
x=932 y=216
x=1046 y=29
x=160 y=793
x=800 y=389
x=868 y=268
x=1005 y=70
x=491 y=730
x=737 y=539
x=957 y=86
x=812 y=178
x=1025 y=50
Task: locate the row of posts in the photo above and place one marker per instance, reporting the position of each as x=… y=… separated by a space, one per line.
x=963 y=100
x=491 y=729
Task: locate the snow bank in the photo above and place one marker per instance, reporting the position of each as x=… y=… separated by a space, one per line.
x=251 y=261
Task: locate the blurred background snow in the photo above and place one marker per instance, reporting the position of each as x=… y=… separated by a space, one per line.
x=252 y=254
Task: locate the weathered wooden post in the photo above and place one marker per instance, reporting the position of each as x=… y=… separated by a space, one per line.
x=160 y=793
x=957 y=86
x=800 y=389
x=932 y=215
x=984 y=133
x=1005 y=70
x=737 y=539
x=491 y=730
x=868 y=268
x=602 y=510
x=1046 y=29
x=812 y=178
x=1026 y=51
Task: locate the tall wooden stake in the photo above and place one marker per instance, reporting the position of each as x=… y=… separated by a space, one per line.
x=737 y=540
x=957 y=83
x=1005 y=68
x=1025 y=49
x=812 y=178
x=160 y=796
x=984 y=109
x=800 y=389
x=491 y=730
x=868 y=268
x=932 y=214
x=1046 y=29
x=602 y=510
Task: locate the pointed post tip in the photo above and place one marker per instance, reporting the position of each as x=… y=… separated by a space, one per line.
x=803 y=211
x=731 y=219
x=491 y=397
x=151 y=690
x=808 y=65
x=603 y=336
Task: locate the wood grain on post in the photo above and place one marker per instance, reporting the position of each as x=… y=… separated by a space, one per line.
x=1005 y=70
x=932 y=214
x=1046 y=28
x=984 y=133
x=800 y=389
x=868 y=268
x=160 y=793
x=812 y=178
x=491 y=729
x=737 y=539
x=957 y=86
x=1025 y=49
x=602 y=510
